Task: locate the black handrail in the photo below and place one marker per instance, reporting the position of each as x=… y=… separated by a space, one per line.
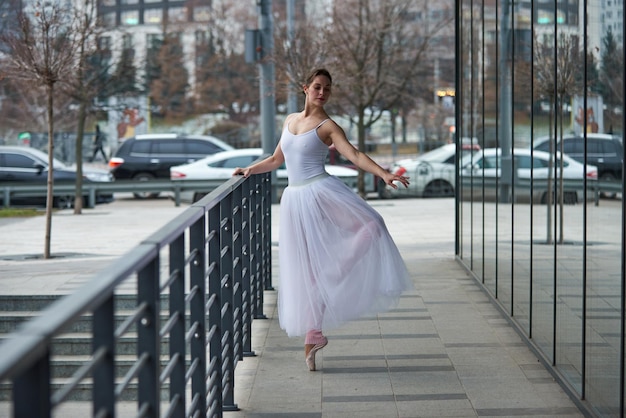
x=208 y=289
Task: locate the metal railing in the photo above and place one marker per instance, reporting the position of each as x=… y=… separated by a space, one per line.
x=12 y=190
x=210 y=267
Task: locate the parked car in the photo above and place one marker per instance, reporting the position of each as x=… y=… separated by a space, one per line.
x=487 y=165
x=430 y=174
x=373 y=184
x=30 y=166
x=604 y=151
x=220 y=166
x=150 y=156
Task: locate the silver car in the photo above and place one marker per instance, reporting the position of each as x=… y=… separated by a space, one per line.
x=430 y=174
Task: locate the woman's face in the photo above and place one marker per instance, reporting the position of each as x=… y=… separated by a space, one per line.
x=318 y=92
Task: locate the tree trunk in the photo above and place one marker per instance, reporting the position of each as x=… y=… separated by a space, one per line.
x=550 y=169
x=50 y=189
x=80 y=131
x=561 y=191
x=361 y=146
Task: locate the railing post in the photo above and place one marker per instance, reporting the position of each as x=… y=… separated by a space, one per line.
x=215 y=315
x=246 y=294
x=267 y=233
x=103 y=325
x=31 y=390
x=198 y=319
x=256 y=246
x=238 y=270
x=148 y=341
x=177 y=333
x=226 y=274
x=91 y=197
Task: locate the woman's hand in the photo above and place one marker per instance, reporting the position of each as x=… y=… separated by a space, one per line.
x=242 y=171
x=389 y=179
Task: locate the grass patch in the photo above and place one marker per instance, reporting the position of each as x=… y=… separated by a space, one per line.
x=20 y=212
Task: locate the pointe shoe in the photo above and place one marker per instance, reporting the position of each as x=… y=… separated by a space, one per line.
x=310 y=357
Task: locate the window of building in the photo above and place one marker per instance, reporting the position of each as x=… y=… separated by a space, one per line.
x=129 y=17
x=177 y=14
x=201 y=14
x=108 y=20
x=153 y=16
x=104 y=42
x=127 y=41
x=202 y=37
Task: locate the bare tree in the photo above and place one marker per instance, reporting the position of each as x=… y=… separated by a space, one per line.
x=556 y=70
x=84 y=80
x=168 y=90
x=224 y=81
x=41 y=50
x=612 y=80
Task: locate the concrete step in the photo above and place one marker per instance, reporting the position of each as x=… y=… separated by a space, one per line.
x=79 y=344
x=83 y=391
x=66 y=366
x=35 y=303
x=70 y=350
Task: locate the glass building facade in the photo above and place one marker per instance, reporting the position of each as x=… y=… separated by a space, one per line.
x=540 y=210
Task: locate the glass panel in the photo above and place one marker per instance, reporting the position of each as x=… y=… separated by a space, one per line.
x=463 y=130
x=521 y=156
x=531 y=227
x=489 y=138
x=604 y=246
x=568 y=238
x=543 y=214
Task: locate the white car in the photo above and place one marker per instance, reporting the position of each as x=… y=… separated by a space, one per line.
x=430 y=174
x=483 y=171
x=220 y=166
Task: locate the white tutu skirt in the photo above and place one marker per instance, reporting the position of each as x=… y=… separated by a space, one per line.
x=337 y=259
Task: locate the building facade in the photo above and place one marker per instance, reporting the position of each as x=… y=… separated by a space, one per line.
x=546 y=244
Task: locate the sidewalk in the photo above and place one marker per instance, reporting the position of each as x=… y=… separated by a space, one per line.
x=445 y=351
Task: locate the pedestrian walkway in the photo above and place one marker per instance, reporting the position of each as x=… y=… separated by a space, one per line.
x=444 y=351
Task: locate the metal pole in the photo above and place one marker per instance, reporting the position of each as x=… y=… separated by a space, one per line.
x=266 y=84
x=266 y=67
x=292 y=98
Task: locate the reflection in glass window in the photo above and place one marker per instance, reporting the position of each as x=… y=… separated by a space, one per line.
x=201 y=14
x=177 y=14
x=19 y=161
x=127 y=41
x=153 y=16
x=108 y=19
x=104 y=42
x=130 y=17
x=242 y=161
x=201 y=147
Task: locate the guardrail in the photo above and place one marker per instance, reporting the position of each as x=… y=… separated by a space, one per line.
x=595 y=187
x=211 y=264
x=12 y=190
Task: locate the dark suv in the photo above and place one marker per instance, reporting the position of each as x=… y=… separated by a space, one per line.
x=22 y=165
x=605 y=151
x=150 y=156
